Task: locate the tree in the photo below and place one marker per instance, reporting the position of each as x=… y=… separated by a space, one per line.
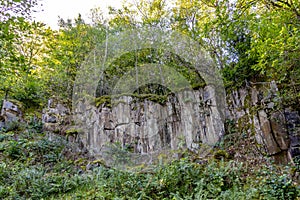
x=222 y=27
x=19 y=45
x=69 y=48
x=275 y=40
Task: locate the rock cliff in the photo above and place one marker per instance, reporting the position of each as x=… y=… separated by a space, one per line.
x=185 y=120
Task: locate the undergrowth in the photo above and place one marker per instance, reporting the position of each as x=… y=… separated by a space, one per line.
x=35 y=165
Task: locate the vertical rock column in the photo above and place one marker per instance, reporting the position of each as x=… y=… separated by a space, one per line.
x=293 y=128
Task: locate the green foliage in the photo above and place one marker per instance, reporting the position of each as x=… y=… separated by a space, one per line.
x=134 y=61
x=250 y=42
x=161 y=99
x=183 y=179
x=22 y=47
x=281 y=188
x=104 y=100
x=278 y=185
x=72 y=132
x=34 y=167
x=274 y=41
x=69 y=48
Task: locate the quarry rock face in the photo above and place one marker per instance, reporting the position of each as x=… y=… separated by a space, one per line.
x=184 y=120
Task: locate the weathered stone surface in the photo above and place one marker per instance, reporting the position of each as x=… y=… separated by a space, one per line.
x=293 y=128
x=186 y=120
x=10 y=111
x=254 y=96
x=56 y=117
x=255 y=110
x=2 y=122
x=269 y=141
x=213 y=119
x=278 y=125
x=53 y=127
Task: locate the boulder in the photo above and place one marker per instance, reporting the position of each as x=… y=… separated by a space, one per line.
x=11 y=111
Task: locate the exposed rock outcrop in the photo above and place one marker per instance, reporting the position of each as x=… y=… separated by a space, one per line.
x=184 y=120
x=10 y=112
x=258 y=111
x=293 y=129
x=56 y=117
x=187 y=119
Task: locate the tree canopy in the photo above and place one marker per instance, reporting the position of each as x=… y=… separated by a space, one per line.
x=250 y=41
